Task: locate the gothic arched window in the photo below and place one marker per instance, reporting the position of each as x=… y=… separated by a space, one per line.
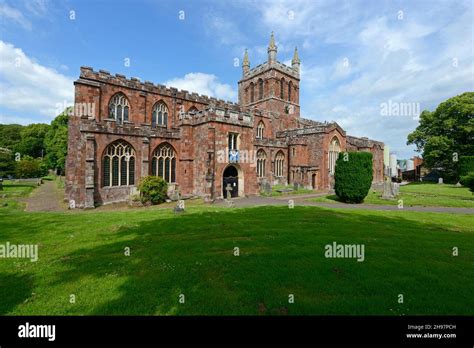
x=279 y=164
x=118 y=164
x=260 y=89
x=261 y=160
x=334 y=149
x=260 y=129
x=119 y=108
x=290 y=86
x=252 y=92
x=163 y=162
x=159 y=116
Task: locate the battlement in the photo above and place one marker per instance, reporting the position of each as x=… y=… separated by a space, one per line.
x=103 y=76
x=216 y=114
x=363 y=142
x=266 y=66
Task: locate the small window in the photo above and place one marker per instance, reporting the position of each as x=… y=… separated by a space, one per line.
x=279 y=164
x=118 y=108
x=232 y=141
x=252 y=92
x=260 y=129
x=159 y=115
x=261 y=160
x=290 y=86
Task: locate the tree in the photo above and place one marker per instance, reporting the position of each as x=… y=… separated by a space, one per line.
x=353 y=176
x=29 y=167
x=32 y=140
x=10 y=135
x=7 y=163
x=56 y=142
x=445 y=135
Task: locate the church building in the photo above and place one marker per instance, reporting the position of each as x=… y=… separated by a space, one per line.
x=123 y=129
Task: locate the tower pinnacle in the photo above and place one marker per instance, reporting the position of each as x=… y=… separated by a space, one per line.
x=295 y=62
x=245 y=63
x=272 y=49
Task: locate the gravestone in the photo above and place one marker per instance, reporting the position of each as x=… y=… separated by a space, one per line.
x=1 y=184
x=267 y=188
x=228 y=189
x=295 y=186
x=291 y=204
x=440 y=181
x=179 y=207
x=174 y=196
x=390 y=189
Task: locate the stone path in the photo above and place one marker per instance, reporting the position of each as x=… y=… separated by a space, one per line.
x=47 y=197
x=303 y=200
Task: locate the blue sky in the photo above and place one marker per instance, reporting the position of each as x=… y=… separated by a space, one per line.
x=356 y=55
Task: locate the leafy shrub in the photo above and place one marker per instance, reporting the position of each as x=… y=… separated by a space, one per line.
x=468 y=181
x=29 y=167
x=466 y=165
x=153 y=189
x=353 y=176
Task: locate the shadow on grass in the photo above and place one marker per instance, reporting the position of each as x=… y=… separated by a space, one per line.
x=14 y=290
x=192 y=254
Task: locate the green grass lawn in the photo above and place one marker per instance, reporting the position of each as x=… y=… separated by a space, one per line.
x=419 y=194
x=281 y=253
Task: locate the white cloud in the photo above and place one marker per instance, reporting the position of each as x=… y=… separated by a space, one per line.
x=37 y=7
x=408 y=60
x=10 y=13
x=28 y=87
x=206 y=84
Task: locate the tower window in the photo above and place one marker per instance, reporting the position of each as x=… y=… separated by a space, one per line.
x=260 y=129
x=260 y=89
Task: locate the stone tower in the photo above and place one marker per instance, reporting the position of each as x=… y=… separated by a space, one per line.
x=272 y=86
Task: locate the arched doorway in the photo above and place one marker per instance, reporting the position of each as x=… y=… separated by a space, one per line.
x=230 y=177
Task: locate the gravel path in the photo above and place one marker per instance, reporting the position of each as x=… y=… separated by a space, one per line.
x=47 y=197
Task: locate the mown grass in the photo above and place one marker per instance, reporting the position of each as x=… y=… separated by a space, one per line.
x=419 y=194
x=281 y=253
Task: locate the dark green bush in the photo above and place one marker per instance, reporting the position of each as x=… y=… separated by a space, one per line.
x=466 y=165
x=153 y=189
x=468 y=181
x=353 y=176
